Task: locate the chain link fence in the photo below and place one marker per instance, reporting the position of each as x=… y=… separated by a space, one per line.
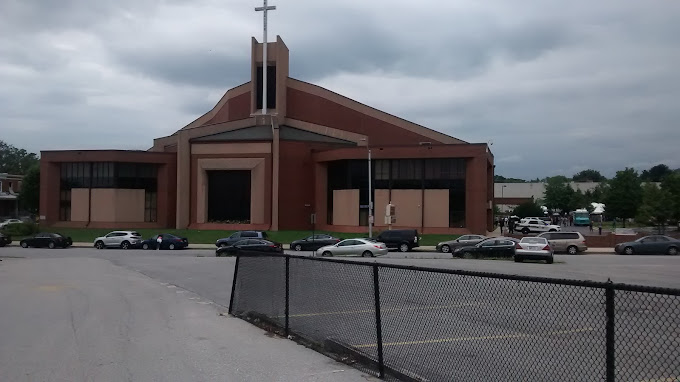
x=422 y=324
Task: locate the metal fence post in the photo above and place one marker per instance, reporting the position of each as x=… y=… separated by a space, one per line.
x=233 y=285
x=610 y=311
x=378 y=321
x=287 y=291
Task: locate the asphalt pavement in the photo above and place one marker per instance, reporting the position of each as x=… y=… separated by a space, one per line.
x=82 y=315
x=162 y=308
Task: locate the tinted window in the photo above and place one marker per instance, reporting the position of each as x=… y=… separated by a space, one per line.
x=135 y=234
x=566 y=235
x=661 y=238
x=489 y=243
x=549 y=236
x=241 y=242
x=464 y=237
x=533 y=240
x=235 y=235
x=345 y=243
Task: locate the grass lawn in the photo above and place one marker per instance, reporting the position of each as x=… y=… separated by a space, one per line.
x=87 y=235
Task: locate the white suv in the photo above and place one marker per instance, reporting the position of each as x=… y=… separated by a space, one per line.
x=119 y=239
x=528 y=225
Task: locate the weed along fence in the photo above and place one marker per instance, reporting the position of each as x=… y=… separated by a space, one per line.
x=421 y=324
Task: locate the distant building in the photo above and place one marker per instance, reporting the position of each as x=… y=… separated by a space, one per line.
x=507 y=196
x=10 y=186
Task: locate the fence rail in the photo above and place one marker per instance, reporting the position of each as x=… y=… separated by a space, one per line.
x=414 y=323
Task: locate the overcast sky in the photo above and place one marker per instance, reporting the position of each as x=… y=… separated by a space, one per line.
x=556 y=86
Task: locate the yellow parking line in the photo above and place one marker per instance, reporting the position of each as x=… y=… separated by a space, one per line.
x=460 y=339
x=383 y=310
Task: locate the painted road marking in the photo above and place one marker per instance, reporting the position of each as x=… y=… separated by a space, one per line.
x=383 y=310
x=461 y=339
x=52 y=288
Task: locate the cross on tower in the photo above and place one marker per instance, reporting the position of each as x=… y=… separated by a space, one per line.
x=264 y=10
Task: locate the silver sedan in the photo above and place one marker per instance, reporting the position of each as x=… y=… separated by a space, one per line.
x=534 y=248
x=354 y=247
x=463 y=241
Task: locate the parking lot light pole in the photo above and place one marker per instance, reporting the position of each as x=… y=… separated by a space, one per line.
x=370 y=196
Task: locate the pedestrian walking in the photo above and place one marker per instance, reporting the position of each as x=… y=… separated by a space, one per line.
x=591 y=226
x=511 y=226
x=500 y=224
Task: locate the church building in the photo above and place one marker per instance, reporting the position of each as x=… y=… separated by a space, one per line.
x=304 y=162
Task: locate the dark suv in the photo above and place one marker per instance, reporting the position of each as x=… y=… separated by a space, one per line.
x=402 y=239
x=240 y=235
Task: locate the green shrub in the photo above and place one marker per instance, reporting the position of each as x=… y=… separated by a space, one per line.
x=20 y=229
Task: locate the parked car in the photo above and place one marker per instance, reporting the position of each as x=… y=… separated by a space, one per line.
x=46 y=239
x=169 y=241
x=5 y=239
x=240 y=235
x=314 y=242
x=10 y=221
x=533 y=248
x=569 y=242
x=491 y=247
x=354 y=247
x=529 y=225
x=402 y=239
x=119 y=239
x=465 y=240
x=249 y=246
x=649 y=245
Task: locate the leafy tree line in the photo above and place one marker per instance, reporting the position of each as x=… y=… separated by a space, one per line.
x=20 y=162
x=655 y=174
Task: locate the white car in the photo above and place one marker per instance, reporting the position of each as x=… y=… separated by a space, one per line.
x=528 y=225
x=119 y=239
x=533 y=248
x=10 y=221
x=354 y=247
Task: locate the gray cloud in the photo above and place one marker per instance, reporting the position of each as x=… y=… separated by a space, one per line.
x=558 y=87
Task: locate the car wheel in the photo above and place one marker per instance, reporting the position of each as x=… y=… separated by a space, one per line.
x=466 y=255
x=367 y=254
x=446 y=249
x=24 y=244
x=327 y=253
x=628 y=250
x=125 y=245
x=145 y=246
x=403 y=247
x=297 y=247
x=99 y=245
x=50 y=245
x=572 y=250
x=549 y=260
x=518 y=259
x=673 y=251
x=525 y=231
x=171 y=246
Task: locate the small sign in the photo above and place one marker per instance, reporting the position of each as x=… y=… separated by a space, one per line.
x=312 y=218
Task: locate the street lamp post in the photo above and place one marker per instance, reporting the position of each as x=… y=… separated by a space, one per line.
x=370 y=194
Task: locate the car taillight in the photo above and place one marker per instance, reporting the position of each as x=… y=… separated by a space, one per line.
x=378 y=246
x=517 y=246
x=546 y=248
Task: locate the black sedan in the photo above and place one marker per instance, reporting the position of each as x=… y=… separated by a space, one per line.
x=46 y=239
x=5 y=240
x=649 y=245
x=314 y=242
x=168 y=241
x=249 y=246
x=492 y=247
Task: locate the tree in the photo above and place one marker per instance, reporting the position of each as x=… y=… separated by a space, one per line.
x=656 y=173
x=502 y=179
x=657 y=206
x=624 y=195
x=579 y=200
x=588 y=176
x=528 y=209
x=558 y=193
x=29 y=197
x=671 y=183
x=14 y=160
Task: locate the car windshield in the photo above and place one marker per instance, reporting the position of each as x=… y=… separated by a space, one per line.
x=135 y=234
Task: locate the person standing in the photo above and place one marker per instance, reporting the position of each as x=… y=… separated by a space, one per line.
x=501 y=224
x=159 y=240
